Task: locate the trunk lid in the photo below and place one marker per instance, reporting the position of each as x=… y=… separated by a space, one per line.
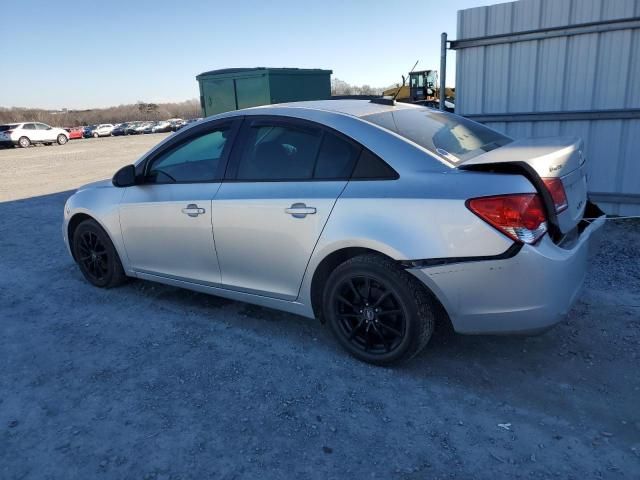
x=538 y=158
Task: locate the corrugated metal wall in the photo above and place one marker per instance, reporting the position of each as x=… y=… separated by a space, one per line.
x=585 y=72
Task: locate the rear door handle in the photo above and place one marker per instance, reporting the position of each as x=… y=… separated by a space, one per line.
x=300 y=210
x=193 y=210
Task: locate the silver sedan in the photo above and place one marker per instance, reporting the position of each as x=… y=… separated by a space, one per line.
x=379 y=219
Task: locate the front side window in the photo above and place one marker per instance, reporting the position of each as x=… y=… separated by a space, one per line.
x=279 y=152
x=196 y=160
x=29 y=126
x=42 y=126
x=455 y=138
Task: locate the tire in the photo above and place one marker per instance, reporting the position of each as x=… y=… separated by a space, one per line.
x=95 y=135
x=397 y=316
x=62 y=139
x=24 y=142
x=96 y=256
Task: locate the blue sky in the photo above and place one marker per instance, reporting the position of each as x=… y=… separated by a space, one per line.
x=96 y=54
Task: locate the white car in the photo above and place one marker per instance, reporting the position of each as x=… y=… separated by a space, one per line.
x=103 y=130
x=141 y=128
x=25 y=134
x=161 y=127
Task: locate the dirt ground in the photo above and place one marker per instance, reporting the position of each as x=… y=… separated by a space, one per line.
x=153 y=382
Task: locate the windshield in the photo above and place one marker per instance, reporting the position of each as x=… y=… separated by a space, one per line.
x=450 y=136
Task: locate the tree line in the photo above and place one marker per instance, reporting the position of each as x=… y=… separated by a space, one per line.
x=122 y=113
x=141 y=110
x=340 y=87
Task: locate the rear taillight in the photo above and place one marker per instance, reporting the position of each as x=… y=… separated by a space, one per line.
x=556 y=189
x=519 y=216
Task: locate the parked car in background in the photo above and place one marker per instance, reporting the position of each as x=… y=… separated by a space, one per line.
x=162 y=127
x=379 y=219
x=75 y=133
x=132 y=128
x=87 y=132
x=149 y=127
x=29 y=133
x=191 y=121
x=120 y=129
x=176 y=125
x=103 y=130
x=139 y=128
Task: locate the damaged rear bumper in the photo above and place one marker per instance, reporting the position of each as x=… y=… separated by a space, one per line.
x=522 y=294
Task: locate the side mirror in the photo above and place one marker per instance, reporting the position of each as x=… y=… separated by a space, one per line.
x=125 y=177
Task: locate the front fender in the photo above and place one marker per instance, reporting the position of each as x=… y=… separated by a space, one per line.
x=101 y=203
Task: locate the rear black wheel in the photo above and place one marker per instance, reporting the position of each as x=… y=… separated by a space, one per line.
x=24 y=142
x=96 y=256
x=377 y=311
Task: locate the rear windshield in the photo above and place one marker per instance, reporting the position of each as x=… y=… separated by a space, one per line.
x=4 y=128
x=455 y=138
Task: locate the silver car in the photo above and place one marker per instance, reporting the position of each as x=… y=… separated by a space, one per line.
x=377 y=218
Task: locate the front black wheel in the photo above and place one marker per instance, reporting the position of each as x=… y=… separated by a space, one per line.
x=378 y=312
x=62 y=139
x=96 y=256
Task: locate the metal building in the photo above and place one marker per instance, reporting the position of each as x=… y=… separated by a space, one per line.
x=536 y=68
x=235 y=88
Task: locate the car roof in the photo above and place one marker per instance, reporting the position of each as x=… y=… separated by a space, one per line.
x=356 y=108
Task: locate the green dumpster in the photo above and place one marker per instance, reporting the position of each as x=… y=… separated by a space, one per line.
x=235 y=88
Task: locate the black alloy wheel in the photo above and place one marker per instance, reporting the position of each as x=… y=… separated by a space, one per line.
x=92 y=254
x=96 y=256
x=378 y=312
x=370 y=315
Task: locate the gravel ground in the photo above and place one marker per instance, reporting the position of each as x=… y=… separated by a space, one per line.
x=153 y=382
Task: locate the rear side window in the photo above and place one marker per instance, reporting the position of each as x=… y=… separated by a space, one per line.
x=29 y=126
x=371 y=167
x=279 y=152
x=336 y=158
x=450 y=136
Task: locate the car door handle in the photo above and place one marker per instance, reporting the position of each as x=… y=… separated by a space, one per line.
x=193 y=210
x=300 y=210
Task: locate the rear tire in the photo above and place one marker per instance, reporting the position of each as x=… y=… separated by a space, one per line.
x=24 y=142
x=95 y=135
x=377 y=311
x=62 y=139
x=96 y=256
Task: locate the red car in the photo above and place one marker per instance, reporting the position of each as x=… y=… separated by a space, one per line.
x=75 y=132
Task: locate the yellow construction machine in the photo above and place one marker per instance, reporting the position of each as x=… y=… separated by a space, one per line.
x=422 y=89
